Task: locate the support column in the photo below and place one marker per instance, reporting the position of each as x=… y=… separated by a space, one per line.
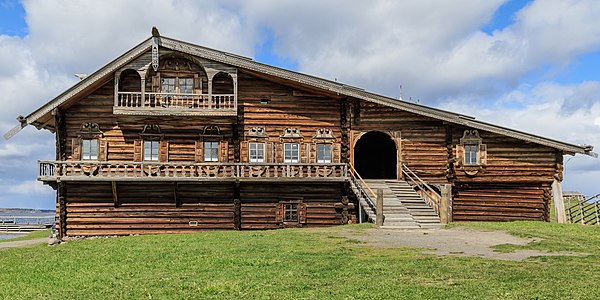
x=237 y=207
x=61 y=199
x=379 y=208
x=559 y=202
x=446 y=204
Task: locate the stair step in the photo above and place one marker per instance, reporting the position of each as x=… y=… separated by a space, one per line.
x=400 y=227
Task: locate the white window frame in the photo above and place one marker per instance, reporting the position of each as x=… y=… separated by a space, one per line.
x=211 y=151
x=89 y=149
x=324 y=154
x=293 y=149
x=256 y=152
x=471 y=154
x=153 y=146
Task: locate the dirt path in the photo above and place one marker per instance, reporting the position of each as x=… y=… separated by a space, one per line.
x=27 y=243
x=455 y=241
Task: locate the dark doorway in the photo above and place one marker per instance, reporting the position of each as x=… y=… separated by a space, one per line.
x=375 y=156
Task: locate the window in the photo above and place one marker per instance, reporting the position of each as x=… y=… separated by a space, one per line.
x=211 y=151
x=471 y=154
x=89 y=149
x=168 y=85
x=290 y=212
x=257 y=152
x=324 y=153
x=291 y=153
x=186 y=85
x=151 y=150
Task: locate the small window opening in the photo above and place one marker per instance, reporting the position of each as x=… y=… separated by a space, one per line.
x=151 y=150
x=257 y=152
x=89 y=149
x=211 y=151
x=324 y=153
x=265 y=101
x=291 y=153
x=290 y=212
x=471 y=154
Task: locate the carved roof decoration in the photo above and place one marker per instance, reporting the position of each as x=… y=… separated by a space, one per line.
x=42 y=117
x=257 y=132
x=324 y=133
x=470 y=137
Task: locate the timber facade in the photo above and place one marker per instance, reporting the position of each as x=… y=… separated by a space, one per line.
x=173 y=137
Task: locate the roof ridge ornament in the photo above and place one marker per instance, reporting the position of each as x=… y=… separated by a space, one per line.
x=155 y=42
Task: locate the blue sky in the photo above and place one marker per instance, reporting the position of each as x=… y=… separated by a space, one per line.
x=529 y=65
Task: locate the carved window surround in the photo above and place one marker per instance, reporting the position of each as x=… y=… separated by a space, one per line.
x=471 y=153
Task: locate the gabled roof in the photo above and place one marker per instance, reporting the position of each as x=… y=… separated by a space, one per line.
x=42 y=117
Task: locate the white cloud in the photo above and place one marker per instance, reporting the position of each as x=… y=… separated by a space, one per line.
x=29 y=187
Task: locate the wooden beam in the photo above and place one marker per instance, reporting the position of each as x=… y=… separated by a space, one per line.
x=114 y=193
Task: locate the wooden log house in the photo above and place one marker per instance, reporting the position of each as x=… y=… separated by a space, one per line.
x=173 y=137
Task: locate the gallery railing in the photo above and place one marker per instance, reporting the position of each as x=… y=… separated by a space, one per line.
x=366 y=196
x=174 y=171
x=176 y=101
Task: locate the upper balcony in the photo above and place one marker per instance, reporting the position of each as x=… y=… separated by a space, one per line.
x=180 y=104
x=178 y=87
x=53 y=171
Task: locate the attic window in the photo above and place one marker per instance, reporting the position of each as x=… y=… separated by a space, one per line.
x=471 y=152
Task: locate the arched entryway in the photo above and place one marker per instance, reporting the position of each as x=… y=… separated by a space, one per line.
x=375 y=156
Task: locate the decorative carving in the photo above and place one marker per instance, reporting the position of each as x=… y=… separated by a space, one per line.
x=177 y=65
x=324 y=133
x=291 y=133
x=90 y=130
x=155 y=55
x=470 y=137
x=211 y=130
x=258 y=132
x=151 y=132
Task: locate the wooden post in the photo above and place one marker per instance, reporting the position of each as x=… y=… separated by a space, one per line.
x=559 y=202
x=445 y=202
x=379 y=208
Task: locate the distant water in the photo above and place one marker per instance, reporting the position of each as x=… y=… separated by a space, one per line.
x=9 y=236
x=28 y=217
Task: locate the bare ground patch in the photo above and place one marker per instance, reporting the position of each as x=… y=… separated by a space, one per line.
x=458 y=241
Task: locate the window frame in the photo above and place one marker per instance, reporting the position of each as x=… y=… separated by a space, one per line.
x=328 y=150
x=207 y=150
x=152 y=156
x=471 y=158
x=177 y=84
x=291 y=158
x=293 y=210
x=88 y=155
x=260 y=153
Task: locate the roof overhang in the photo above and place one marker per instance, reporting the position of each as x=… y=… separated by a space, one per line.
x=42 y=117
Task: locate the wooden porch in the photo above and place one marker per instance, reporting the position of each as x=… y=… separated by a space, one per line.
x=52 y=171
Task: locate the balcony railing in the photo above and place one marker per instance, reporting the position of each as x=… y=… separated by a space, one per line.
x=175 y=103
x=49 y=171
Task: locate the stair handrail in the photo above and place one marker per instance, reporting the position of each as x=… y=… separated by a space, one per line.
x=417 y=181
x=359 y=183
x=355 y=173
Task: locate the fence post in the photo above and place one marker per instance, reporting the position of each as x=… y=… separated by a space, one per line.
x=379 y=208
x=559 y=202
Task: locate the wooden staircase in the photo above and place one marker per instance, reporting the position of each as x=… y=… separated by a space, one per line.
x=403 y=208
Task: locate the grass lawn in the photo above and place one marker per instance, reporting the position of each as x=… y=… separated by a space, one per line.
x=31 y=236
x=297 y=263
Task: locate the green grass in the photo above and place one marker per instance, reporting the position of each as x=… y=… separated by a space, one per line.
x=297 y=264
x=31 y=236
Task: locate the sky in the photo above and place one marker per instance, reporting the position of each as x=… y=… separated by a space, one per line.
x=528 y=65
